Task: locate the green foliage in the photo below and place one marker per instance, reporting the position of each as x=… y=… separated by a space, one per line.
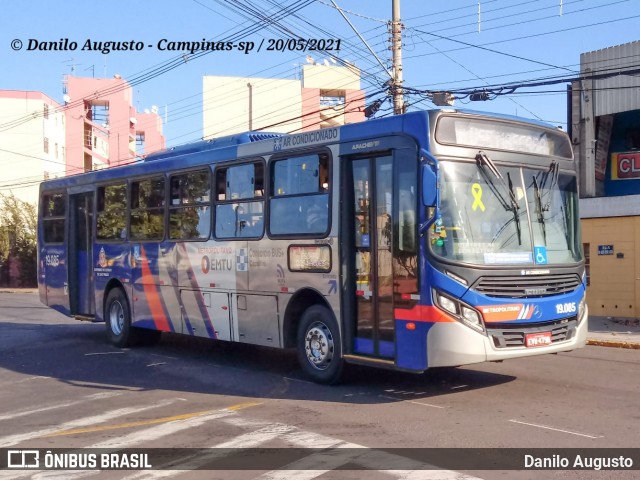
x=18 y=241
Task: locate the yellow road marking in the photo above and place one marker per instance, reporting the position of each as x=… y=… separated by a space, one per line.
x=240 y=406
x=153 y=421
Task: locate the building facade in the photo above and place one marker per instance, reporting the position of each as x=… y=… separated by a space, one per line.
x=96 y=127
x=325 y=96
x=103 y=128
x=605 y=130
x=32 y=142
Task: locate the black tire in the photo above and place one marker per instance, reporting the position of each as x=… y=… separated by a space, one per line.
x=319 y=346
x=117 y=319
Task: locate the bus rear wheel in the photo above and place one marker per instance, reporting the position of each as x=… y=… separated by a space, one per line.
x=319 y=345
x=117 y=318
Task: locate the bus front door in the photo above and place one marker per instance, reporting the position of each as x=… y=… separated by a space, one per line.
x=80 y=254
x=370 y=295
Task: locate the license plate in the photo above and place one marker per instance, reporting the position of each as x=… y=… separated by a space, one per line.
x=538 y=339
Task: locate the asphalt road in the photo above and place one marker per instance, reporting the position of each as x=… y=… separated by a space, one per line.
x=62 y=385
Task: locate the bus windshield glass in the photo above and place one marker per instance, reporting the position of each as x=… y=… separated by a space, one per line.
x=506 y=217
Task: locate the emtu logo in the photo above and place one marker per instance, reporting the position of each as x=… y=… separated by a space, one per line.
x=280 y=275
x=205 y=264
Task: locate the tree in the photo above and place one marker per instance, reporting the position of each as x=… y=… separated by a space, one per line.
x=18 y=243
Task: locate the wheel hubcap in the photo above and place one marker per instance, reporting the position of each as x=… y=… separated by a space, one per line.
x=319 y=346
x=116 y=317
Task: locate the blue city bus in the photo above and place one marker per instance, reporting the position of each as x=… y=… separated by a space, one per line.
x=429 y=239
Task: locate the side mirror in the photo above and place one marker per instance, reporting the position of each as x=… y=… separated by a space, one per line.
x=429 y=185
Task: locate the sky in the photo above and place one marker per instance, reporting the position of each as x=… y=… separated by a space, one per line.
x=452 y=45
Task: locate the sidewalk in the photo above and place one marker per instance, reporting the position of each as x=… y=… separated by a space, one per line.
x=614 y=332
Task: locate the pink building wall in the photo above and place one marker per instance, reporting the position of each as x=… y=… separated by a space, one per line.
x=310 y=108
x=312 y=119
x=151 y=125
x=85 y=134
x=354 y=112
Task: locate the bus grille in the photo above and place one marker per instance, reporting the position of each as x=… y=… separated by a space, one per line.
x=526 y=286
x=505 y=335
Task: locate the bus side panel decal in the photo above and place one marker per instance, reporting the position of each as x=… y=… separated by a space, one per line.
x=195 y=314
x=154 y=301
x=196 y=295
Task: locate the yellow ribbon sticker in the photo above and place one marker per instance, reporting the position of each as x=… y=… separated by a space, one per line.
x=476 y=191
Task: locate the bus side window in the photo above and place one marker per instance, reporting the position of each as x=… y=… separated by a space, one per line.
x=111 y=220
x=147 y=209
x=317 y=213
x=53 y=214
x=190 y=205
x=299 y=197
x=240 y=197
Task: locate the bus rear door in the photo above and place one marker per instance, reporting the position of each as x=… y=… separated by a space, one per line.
x=80 y=254
x=53 y=281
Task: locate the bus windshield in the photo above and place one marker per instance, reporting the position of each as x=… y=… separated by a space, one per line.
x=506 y=215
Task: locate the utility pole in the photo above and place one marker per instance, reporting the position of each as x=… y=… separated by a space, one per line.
x=396 y=49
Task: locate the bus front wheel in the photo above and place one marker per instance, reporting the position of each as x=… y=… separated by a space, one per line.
x=319 y=346
x=117 y=317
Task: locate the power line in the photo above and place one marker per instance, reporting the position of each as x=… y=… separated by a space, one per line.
x=531 y=71
x=534 y=35
x=504 y=89
x=489 y=20
x=163 y=67
x=491 y=50
x=134 y=82
x=246 y=13
x=168 y=65
x=135 y=159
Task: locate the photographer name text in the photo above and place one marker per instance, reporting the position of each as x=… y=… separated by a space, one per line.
x=560 y=462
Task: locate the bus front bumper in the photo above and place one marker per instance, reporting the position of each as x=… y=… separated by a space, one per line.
x=453 y=344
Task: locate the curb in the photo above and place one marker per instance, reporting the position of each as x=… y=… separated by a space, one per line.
x=614 y=343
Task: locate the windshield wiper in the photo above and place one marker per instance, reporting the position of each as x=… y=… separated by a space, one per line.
x=514 y=205
x=539 y=191
x=553 y=171
x=482 y=159
x=539 y=209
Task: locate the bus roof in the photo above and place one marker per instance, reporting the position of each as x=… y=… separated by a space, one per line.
x=414 y=124
x=212 y=144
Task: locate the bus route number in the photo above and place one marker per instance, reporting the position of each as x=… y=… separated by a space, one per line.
x=566 y=307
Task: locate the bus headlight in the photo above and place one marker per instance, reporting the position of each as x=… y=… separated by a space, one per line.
x=460 y=311
x=447 y=304
x=472 y=318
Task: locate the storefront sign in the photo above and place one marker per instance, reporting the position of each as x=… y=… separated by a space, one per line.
x=625 y=166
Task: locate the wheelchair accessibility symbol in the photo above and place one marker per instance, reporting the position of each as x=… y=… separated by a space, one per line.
x=540 y=254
